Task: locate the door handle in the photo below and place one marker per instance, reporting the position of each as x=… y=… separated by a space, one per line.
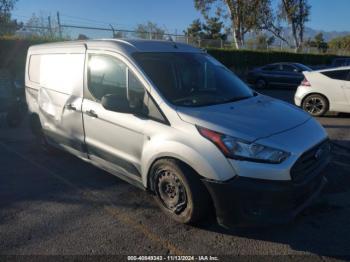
x=71 y=107
x=91 y=113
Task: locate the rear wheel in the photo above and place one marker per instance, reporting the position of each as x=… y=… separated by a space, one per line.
x=316 y=105
x=260 y=83
x=178 y=192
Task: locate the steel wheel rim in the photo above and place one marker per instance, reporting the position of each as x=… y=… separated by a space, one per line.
x=314 y=105
x=170 y=191
x=261 y=84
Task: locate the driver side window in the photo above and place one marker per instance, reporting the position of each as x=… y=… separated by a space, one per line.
x=107 y=75
x=289 y=68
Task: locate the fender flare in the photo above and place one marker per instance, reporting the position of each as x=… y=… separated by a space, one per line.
x=179 y=151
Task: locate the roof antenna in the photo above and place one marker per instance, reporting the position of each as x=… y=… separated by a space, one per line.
x=170 y=39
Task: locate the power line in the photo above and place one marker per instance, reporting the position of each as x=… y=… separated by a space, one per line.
x=85 y=19
x=66 y=18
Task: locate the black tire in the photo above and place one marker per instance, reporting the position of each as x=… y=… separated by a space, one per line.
x=260 y=83
x=316 y=105
x=178 y=191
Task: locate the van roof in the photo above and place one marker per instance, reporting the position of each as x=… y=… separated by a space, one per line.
x=124 y=46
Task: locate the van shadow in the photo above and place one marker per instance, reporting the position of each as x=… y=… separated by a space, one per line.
x=322 y=229
x=27 y=172
x=41 y=194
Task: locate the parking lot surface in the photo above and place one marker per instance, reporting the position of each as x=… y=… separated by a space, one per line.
x=56 y=204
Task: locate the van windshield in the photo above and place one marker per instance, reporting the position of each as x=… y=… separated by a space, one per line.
x=192 y=79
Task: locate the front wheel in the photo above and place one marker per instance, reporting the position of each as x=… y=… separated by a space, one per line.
x=178 y=192
x=316 y=105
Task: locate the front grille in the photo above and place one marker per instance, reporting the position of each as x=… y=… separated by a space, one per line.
x=310 y=162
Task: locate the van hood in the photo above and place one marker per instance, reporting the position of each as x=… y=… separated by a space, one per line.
x=250 y=119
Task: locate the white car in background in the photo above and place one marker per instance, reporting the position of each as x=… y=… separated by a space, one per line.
x=325 y=90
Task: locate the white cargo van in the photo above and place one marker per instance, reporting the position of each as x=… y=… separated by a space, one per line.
x=170 y=119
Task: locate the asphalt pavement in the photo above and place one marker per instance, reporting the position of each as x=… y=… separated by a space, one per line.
x=56 y=204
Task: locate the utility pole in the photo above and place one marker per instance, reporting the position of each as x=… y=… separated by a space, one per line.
x=49 y=25
x=113 y=31
x=59 y=24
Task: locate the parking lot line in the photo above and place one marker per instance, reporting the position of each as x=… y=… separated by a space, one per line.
x=110 y=208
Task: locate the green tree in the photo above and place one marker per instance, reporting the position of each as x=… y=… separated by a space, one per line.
x=39 y=26
x=149 y=30
x=213 y=28
x=118 y=34
x=195 y=29
x=296 y=13
x=7 y=25
x=260 y=42
x=340 y=43
x=321 y=44
x=318 y=42
x=6 y=6
x=242 y=14
x=264 y=41
x=268 y=20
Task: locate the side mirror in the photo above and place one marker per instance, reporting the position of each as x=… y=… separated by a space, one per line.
x=116 y=103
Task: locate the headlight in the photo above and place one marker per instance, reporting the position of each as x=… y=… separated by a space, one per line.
x=238 y=149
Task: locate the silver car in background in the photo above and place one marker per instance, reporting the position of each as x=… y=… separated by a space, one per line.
x=172 y=120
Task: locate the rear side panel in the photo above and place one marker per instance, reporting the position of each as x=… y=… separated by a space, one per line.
x=54 y=88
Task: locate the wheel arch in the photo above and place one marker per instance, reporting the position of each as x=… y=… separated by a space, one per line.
x=316 y=93
x=211 y=166
x=149 y=173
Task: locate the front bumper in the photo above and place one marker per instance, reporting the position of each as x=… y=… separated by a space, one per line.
x=247 y=201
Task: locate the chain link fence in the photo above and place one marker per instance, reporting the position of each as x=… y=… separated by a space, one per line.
x=74 y=32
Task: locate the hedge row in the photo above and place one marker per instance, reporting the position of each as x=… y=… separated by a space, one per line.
x=242 y=60
x=13 y=55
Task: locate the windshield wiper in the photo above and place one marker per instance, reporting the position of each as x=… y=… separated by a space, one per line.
x=235 y=99
x=196 y=103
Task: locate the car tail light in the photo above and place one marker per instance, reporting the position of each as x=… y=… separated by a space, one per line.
x=305 y=82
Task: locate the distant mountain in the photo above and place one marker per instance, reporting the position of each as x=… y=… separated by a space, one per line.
x=311 y=33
